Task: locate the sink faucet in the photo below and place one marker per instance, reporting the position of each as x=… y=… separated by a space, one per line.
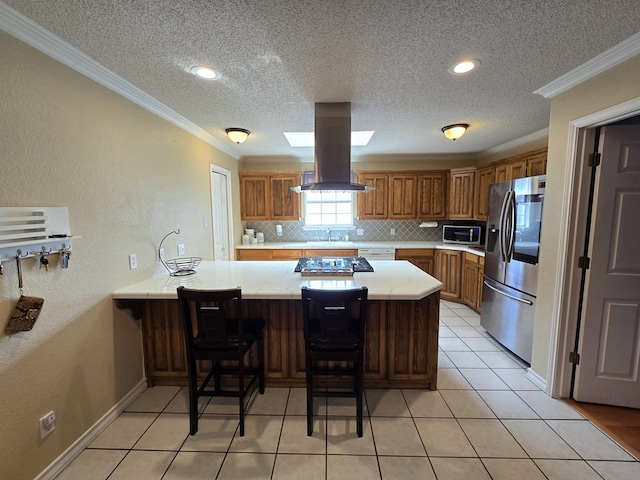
x=329 y=233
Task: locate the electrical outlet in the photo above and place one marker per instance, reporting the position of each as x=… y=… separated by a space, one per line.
x=393 y=231
x=47 y=424
x=133 y=261
x=360 y=232
x=181 y=249
x=162 y=254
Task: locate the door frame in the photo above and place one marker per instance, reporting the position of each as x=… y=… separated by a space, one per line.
x=573 y=220
x=227 y=174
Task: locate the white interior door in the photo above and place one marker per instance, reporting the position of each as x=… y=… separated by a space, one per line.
x=609 y=366
x=220 y=215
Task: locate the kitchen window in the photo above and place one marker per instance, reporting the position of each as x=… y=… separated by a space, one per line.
x=328 y=209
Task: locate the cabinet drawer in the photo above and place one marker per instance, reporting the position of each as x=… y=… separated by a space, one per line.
x=286 y=254
x=414 y=252
x=257 y=254
x=314 y=252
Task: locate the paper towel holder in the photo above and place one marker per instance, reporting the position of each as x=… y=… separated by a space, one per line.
x=432 y=224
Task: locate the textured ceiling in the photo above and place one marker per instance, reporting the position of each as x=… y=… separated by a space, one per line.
x=389 y=58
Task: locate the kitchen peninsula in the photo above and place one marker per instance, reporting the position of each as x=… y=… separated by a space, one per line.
x=402 y=332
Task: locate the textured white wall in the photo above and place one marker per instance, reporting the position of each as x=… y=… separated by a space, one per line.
x=128 y=178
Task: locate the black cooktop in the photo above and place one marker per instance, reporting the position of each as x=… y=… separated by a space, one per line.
x=335 y=265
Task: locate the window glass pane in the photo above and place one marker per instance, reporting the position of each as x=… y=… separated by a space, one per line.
x=328 y=208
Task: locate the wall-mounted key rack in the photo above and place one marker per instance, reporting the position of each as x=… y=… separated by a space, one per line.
x=35 y=232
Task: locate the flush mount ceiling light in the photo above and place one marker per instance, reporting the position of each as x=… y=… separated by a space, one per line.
x=464 y=66
x=238 y=135
x=455 y=131
x=205 y=72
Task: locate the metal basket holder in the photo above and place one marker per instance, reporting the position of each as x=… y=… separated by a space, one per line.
x=181 y=266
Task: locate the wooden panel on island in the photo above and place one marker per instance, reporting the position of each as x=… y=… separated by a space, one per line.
x=401 y=347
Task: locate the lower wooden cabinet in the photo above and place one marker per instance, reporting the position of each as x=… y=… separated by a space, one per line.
x=262 y=254
x=401 y=348
x=472 y=273
x=423 y=258
x=449 y=272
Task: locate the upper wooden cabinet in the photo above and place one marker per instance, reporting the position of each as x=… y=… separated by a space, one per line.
x=484 y=179
x=461 y=193
x=432 y=196
x=374 y=205
x=524 y=165
x=267 y=196
x=402 y=196
x=253 y=197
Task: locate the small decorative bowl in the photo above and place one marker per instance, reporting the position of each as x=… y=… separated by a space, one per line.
x=182 y=265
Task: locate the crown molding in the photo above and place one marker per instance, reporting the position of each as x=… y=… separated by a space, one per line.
x=532 y=137
x=24 y=29
x=607 y=59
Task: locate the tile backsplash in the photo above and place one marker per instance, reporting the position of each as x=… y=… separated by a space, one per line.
x=373 y=230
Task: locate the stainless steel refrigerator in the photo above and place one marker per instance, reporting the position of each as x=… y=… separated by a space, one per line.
x=511 y=262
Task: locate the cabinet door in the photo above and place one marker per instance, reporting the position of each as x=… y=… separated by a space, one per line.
x=285 y=204
x=484 y=179
x=254 y=196
x=448 y=271
x=470 y=284
x=374 y=205
x=432 y=196
x=537 y=166
x=518 y=169
x=502 y=173
x=421 y=258
x=461 y=195
x=402 y=196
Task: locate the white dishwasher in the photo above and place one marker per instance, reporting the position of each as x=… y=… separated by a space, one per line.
x=377 y=253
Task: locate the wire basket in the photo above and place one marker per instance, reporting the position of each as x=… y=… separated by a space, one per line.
x=182 y=265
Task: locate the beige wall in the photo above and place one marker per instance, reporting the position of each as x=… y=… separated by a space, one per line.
x=128 y=178
x=613 y=87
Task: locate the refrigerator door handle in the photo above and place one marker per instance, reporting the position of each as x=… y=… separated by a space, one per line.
x=503 y=217
x=511 y=231
x=513 y=297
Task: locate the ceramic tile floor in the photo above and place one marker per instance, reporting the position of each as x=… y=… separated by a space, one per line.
x=486 y=421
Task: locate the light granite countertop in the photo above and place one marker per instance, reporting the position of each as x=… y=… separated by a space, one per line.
x=363 y=244
x=399 y=280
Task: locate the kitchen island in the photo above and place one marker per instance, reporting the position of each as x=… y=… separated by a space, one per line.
x=402 y=331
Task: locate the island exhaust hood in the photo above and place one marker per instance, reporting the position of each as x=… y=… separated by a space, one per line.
x=332 y=159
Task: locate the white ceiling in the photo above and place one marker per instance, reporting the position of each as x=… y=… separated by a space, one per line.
x=389 y=58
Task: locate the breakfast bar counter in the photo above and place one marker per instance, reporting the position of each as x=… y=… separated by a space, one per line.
x=402 y=331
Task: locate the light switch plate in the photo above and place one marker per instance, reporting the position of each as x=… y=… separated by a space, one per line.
x=133 y=261
x=181 y=249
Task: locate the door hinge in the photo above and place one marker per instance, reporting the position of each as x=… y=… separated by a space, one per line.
x=594 y=159
x=584 y=262
x=574 y=357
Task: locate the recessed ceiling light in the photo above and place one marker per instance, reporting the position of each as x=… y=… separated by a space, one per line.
x=463 y=67
x=205 y=72
x=307 y=139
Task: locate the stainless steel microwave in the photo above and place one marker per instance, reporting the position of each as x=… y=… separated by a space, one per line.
x=467 y=235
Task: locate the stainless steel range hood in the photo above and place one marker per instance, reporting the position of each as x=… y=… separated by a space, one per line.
x=332 y=159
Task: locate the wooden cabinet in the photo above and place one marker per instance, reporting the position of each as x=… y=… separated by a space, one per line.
x=524 y=165
x=285 y=203
x=472 y=271
x=269 y=197
x=484 y=179
x=253 y=197
x=374 y=205
x=402 y=196
x=448 y=271
x=461 y=193
x=432 y=196
x=423 y=258
x=267 y=254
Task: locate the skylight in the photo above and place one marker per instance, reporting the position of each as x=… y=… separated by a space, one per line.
x=306 y=139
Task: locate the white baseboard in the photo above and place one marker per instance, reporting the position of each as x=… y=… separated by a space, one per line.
x=55 y=468
x=537 y=379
